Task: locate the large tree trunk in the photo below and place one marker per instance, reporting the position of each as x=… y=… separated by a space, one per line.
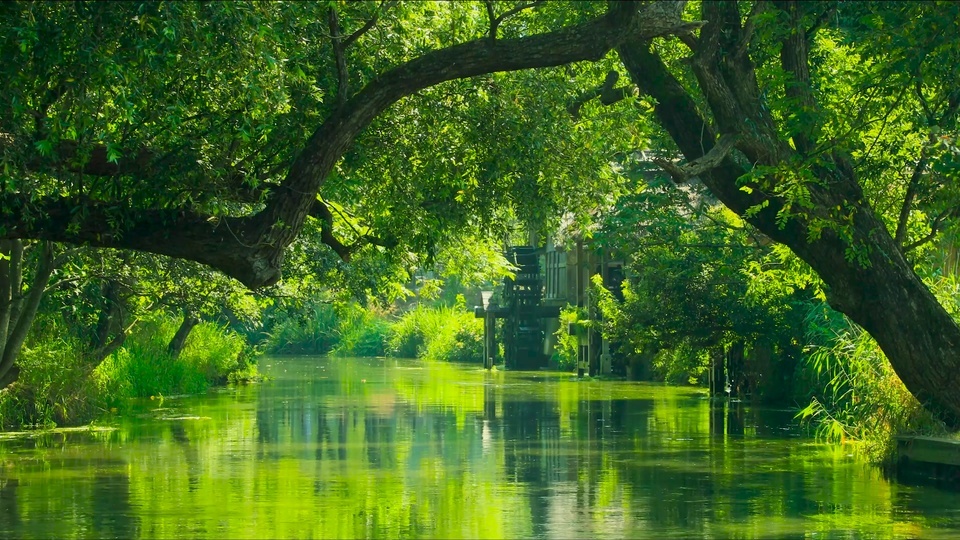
x=867 y=276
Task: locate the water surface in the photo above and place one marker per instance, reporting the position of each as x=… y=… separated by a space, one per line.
x=404 y=449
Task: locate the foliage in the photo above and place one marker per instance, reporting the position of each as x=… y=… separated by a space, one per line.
x=144 y=368
x=311 y=329
x=52 y=389
x=857 y=396
x=698 y=278
x=361 y=332
x=443 y=333
x=566 y=351
x=55 y=389
x=682 y=364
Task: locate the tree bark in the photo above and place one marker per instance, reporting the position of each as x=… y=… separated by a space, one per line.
x=6 y=298
x=16 y=282
x=179 y=340
x=250 y=248
x=866 y=275
x=11 y=350
x=98 y=355
x=110 y=320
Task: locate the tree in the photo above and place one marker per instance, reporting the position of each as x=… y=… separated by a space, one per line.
x=79 y=183
x=151 y=130
x=700 y=280
x=777 y=163
x=19 y=301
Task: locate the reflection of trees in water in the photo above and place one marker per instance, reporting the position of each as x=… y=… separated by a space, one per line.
x=9 y=514
x=112 y=515
x=378 y=433
x=531 y=434
x=726 y=418
x=190 y=454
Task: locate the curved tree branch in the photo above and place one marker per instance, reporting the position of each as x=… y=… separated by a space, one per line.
x=250 y=248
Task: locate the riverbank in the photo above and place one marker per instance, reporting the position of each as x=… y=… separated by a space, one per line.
x=54 y=389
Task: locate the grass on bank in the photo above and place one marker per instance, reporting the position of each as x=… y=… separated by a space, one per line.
x=437 y=333
x=55 y=389
x=858 y=398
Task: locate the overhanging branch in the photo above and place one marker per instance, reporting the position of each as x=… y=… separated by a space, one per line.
x=250 y=248
x=711 y=160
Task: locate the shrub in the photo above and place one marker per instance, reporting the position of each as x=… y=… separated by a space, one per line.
x=443 y=333
x=315 y=331
x=361 y=332
x=860 y=397
x=144 y=367
x=52 y=389
x=566 y=351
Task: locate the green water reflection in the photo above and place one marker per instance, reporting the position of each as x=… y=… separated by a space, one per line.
x=373 y=448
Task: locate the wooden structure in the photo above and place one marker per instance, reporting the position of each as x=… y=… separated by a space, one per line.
x=522 y=298
x=569 y=274
x=522 y=311
x=548 y=279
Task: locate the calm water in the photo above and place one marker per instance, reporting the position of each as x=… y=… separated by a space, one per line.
x=372 y=448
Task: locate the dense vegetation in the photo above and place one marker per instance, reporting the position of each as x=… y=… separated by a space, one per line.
x=806 y=155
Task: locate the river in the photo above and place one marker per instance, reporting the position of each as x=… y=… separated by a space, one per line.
x=365 y=448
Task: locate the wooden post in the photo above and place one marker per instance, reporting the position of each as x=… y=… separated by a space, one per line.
x=718 y=381
x=489 y=339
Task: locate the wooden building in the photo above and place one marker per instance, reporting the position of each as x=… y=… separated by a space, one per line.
x=549 y=278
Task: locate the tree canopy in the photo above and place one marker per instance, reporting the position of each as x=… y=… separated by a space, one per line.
x=221 y=132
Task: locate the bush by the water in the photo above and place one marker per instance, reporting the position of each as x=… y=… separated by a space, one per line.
x=53 y=388
x=361 y=332
x=56 y=387
x=437 y=333
x=144 y=366
x=314 y=330
x=442 y=333
x=857 y=396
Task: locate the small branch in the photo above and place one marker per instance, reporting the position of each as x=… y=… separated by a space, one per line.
x=749 y=28
x=340 y=57
x=689 y=39
x=606 y=92
x=62 y=257
x=918 y=87
x=364 y=238
x=493 y=19
x=821 y=20
x=369 y=24
x=912 y=187
x=949 y=117
x=713 y=158
x=321 y=211
x=883 y=124
x=495 y=22
x=935 y=228
x=340 y=45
